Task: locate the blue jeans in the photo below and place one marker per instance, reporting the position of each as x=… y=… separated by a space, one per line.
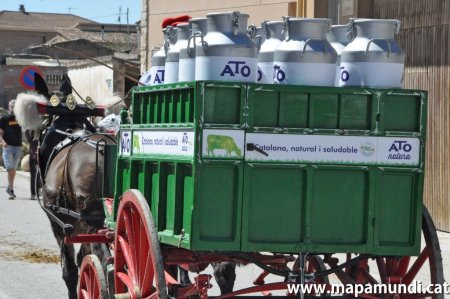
x=11 y=156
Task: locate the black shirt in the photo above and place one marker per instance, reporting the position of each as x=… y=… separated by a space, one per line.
x=12 y=132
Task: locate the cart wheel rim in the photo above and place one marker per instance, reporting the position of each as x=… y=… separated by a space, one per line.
x=138 y=265
x=91 y=281
x=402 y=269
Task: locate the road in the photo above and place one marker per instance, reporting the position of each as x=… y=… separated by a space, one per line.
x=29 y=255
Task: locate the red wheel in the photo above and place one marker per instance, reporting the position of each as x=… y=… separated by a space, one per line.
x=426 y=268
x=138 y=265
x=92 y=282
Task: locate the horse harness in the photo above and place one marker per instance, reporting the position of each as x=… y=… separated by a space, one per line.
x=60 y=207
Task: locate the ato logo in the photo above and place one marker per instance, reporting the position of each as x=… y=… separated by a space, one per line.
x=185 y=139
x=234 y=68
x=344 y=75
x=278 y=74
x=125 y=143
x=400 y=145
x=399 y=150
x=159 y=77
x=184 y=142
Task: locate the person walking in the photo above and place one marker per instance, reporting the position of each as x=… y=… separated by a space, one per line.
x=11 y=141
x=33 y=142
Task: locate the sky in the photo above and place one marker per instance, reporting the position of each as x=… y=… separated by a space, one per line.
x=102 y=11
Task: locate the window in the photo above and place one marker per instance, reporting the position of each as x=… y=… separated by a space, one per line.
x=53 y=79
x=109 y=83
x=340 y=11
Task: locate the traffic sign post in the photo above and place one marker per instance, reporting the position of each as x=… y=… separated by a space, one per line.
x=27 y=76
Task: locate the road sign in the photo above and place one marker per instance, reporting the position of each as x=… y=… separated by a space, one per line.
x=27 y=76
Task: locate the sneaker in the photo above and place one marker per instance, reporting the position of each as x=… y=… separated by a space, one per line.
x=33 y=197
x=10 y=193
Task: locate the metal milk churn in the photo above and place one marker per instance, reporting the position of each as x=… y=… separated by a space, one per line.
x=305 y=57
x=157 y=70
x=339 y=37
x=187 y=54
x=226 y=53
x=178 y=38
x=271 y=41
x=373 y=58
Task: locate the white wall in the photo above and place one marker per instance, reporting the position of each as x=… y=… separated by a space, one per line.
x=95 y=81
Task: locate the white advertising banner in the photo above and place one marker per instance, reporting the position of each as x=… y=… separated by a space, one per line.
x=163 y=143
x=332 y=149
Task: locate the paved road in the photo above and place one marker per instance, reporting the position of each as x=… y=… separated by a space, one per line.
x=29 y=257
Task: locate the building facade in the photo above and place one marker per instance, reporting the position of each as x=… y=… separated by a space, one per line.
x=25 y=38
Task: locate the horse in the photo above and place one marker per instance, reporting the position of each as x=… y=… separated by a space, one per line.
x=70 y=173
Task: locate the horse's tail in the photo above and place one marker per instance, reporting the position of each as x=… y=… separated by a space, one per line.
x=26 y=111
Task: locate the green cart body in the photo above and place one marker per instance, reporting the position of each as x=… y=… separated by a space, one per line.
x=277 y=168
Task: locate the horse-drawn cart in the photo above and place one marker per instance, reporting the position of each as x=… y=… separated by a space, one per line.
x=316 y=185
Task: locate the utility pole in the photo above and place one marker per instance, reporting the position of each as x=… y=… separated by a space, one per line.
x=128 y=29
x=70 y=8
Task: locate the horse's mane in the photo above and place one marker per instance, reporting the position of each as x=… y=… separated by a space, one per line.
x=113 y=104
x=26 y=112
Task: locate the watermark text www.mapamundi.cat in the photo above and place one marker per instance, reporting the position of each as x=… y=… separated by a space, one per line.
x=416 y=287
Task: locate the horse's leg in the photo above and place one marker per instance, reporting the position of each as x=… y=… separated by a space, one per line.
x=69 y=268
x=225 y=275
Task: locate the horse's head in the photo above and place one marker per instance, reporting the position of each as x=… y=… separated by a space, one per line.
x=110 y=124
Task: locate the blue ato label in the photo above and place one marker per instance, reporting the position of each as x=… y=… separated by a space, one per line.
x=373 y=74
x=299 y=73
x=332 y=149
x=242 y=69
x=157 y=75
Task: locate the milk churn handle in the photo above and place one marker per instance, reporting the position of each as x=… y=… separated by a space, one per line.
x=314 y=39
x=166 y=46
x=168 y=31
x=375 y=39
x=351 y=31
x=235 y=22
x=258 y=40
x=265 y=29
x=251 y=31
x=397 y=27
x=192 y=37
x=285 y=31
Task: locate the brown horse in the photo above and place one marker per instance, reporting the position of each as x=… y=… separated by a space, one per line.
x=70 y=184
